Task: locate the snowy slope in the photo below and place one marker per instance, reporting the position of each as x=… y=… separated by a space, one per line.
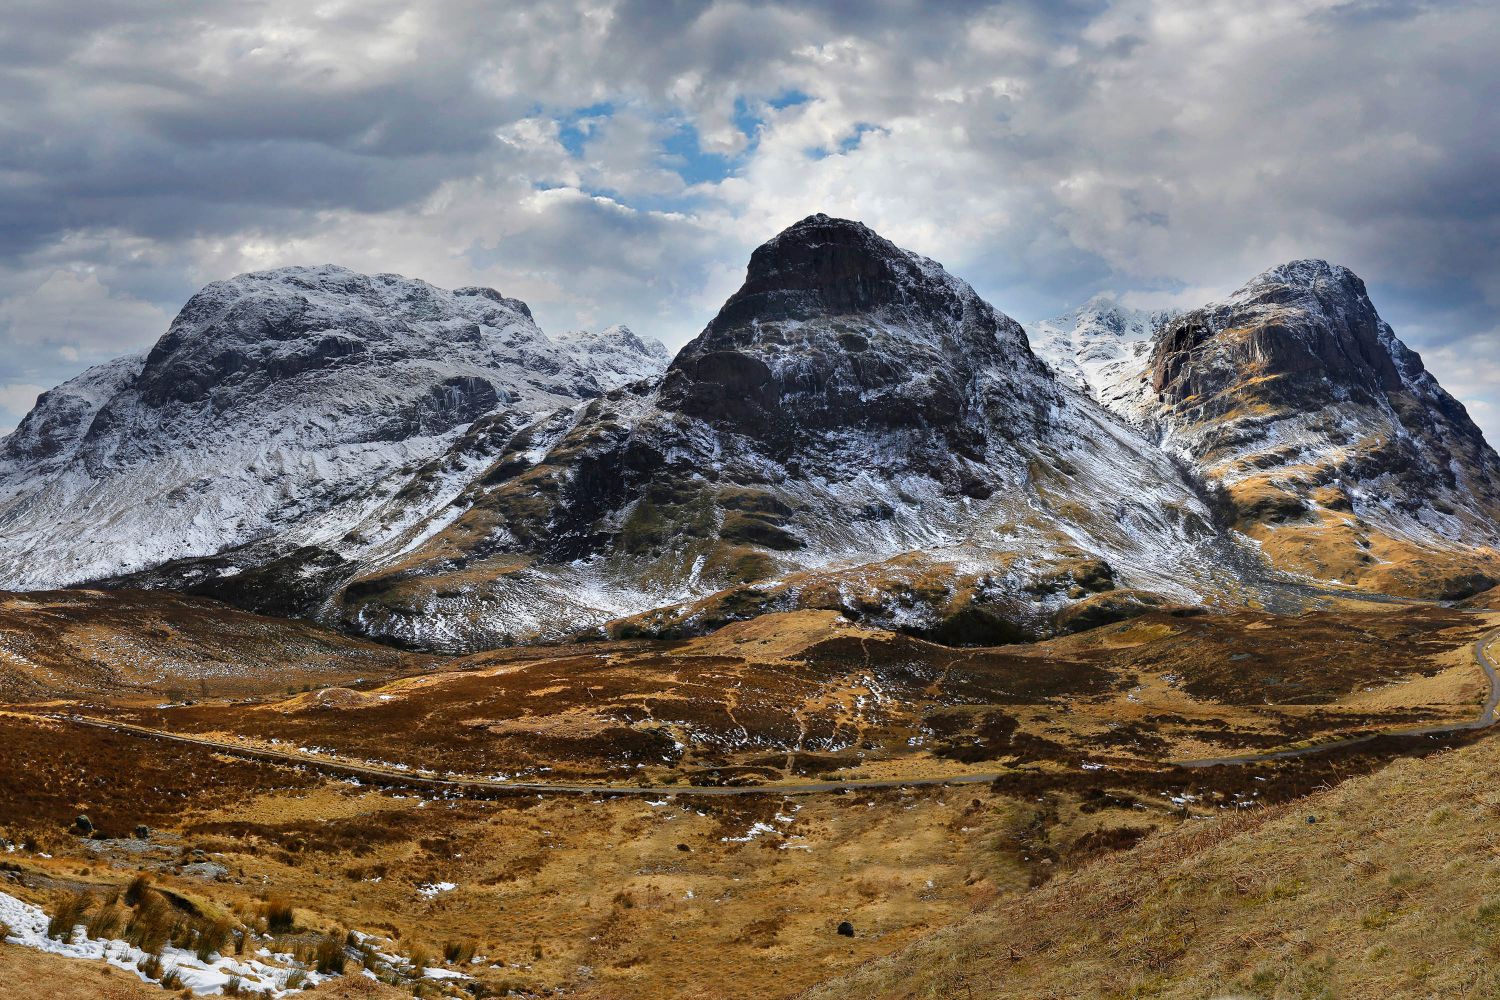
x=274 y=398
x=1101 y=348
x=615 y=354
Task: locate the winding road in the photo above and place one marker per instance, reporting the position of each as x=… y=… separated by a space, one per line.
x=491 y=787
x=1485 y=719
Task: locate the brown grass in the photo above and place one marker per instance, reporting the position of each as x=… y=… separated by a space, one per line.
x=157 y=644
x=27 y=975
x=1384 y=886
x=627 y=898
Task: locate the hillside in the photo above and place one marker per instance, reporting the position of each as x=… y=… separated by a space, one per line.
x=1383 y=886
x=155 y=645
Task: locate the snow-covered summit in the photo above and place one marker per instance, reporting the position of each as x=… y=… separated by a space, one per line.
x=273 y=397
x=1100 y=348
x=616 y=350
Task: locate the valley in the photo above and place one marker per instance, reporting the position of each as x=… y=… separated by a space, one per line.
x=367 y=640
x=588 y=818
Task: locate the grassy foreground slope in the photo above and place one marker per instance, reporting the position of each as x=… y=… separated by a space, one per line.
x=1490 y=600
x=1387 y=885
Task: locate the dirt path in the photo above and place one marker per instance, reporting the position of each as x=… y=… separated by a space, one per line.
x=489 y=788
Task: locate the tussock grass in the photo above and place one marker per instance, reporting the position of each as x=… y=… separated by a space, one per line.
x=107 y=921
x=329 y=956
x=458 y=952
x=68 y=915
x=152 y=966
x=151 y=926
x=278 y=915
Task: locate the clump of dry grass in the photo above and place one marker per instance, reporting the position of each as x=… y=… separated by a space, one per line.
x=107 y=921
x=329 y=956
x=151 y=925
x=419 y=955
x=151 y=966
x=458 y=952
x=136 y=889
x=211 y=937
x=68 y=915
x=278 y=915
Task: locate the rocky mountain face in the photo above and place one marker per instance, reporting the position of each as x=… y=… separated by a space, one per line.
x=857 y=430
x=1331 y=444
x=276 y=399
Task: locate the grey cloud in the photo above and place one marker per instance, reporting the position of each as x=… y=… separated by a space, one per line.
x=1042 y=150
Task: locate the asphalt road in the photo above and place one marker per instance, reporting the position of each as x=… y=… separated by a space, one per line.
x=1485 y=719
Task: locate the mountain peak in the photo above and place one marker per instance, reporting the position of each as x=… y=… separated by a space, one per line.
x=1297 y=280
x=837 y=326
x=275 y=398
x=1305 y=271
x=824 y=266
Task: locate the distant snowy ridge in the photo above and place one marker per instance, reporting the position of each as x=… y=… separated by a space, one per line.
x=1103 y=349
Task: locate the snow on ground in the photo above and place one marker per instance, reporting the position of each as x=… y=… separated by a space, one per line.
x=27 y=926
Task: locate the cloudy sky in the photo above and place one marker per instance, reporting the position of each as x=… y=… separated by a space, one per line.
x=616 y=161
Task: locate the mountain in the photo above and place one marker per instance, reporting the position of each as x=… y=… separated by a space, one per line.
x=275 y=399
x=1101 y=347
x=1330 y=443
x=856 y=429
x=615 y=354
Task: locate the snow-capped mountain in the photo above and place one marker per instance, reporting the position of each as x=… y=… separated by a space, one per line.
x=274 y=399
x=1333 y=446
x=1338 y=450
x=855 y=429
x=1101 y=348
x=615 y=354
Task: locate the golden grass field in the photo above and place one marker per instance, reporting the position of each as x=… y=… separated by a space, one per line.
x=1387 y=885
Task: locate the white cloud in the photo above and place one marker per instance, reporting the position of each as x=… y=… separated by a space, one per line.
x=16 y=400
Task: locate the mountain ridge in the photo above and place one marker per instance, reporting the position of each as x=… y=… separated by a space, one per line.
x=854 y=430
x=1336 y=450
x=854 y=413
